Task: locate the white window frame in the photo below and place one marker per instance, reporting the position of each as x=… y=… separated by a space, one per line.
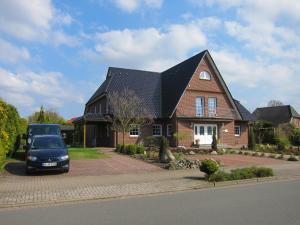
x=169 y=132
x=239 y=129
x=204 y=75
x=134 y=128
x=212 y=111
x=197 y=107
x=160 y=130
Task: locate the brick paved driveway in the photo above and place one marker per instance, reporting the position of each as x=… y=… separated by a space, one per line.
x=240 y=160
x=116 y=164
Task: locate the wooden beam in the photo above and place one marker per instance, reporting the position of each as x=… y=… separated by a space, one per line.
x=84 y=135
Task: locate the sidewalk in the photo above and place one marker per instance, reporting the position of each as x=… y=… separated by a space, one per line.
x=27 y=191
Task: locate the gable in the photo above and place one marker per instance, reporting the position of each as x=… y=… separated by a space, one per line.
x=215 y=87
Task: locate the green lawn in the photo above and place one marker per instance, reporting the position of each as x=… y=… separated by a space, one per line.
x=86 y=153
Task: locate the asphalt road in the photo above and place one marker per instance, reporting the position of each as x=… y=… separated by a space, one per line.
x=273 y=203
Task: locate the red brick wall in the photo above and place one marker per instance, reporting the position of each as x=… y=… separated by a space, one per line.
x=146 y=131
x=242 y=140
x=205 y=89
x=296 y=122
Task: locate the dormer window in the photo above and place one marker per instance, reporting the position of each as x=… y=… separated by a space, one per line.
x=204 y=75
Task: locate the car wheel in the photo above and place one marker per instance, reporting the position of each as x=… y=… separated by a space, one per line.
x=66 y=170
x=28 y=171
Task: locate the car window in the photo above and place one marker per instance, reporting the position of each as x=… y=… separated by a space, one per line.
x=47 y=143
x=44 y=130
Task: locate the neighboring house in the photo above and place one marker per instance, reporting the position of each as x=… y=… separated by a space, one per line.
x=278 y=115
x=190 y=98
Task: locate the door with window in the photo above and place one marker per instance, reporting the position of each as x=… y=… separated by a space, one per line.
x=203 y=133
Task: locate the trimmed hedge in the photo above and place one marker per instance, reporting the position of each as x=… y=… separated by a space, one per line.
x=243 y=173
x=131 y=149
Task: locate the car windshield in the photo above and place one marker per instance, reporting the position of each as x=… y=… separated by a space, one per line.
x=47 y=143
x=44 y=130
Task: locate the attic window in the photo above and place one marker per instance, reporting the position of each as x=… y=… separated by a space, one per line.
x=204 y=75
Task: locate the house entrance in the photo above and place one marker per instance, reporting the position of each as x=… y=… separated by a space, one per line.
x=203 y=133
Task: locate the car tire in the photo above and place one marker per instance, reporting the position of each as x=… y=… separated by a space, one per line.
x=66 y=170
x=28 y=171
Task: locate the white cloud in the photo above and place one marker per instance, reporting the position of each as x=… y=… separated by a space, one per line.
x=275 y=80
x=149 y=48
x=132 y=5
x=12 y=54
x=35 y=20
x=26 y=20
x=59 y=38
x=33 y=89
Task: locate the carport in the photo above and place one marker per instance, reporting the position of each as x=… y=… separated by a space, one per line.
x=93 y=130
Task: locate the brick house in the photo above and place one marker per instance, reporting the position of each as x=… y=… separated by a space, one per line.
x=278 y=115
x=191 y=98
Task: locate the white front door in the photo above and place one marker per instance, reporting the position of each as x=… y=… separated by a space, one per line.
x=203 y=133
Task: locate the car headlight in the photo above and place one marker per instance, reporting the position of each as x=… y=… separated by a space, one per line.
x=32 y=158
x=64 y=157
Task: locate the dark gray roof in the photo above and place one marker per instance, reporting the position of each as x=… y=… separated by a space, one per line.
x=160 y=92
x=94 y=117
x=276 y=114
x=245 y=114
x=175 y=80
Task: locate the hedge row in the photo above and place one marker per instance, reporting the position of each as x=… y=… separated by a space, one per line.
x=11 y=126
x=130 y=149
x=243 y=173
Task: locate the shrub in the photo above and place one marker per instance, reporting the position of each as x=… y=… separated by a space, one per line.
x=140 y=149
x=282 y=143
x=123 y=149
x=240 y=153
x=243 y=173
x=293 y=158
x=118 y=148
x=263 y=172
x=131 y=149
x=220 y=176
x=214 y=144
x=209 y=167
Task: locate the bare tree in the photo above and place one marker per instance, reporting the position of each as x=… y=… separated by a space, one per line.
x=274 y=103
x=127 y=111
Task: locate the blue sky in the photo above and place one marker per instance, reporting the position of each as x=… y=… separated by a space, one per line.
x=56 y=53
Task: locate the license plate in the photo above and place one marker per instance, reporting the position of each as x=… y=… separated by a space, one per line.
x=49 y=164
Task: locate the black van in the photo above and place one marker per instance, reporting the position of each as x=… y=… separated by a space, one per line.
x=41 y=129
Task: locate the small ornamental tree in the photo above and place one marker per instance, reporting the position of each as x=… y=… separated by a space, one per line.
x=127 y=109
x=164 y=145
x=209 y=167
x=214 y=144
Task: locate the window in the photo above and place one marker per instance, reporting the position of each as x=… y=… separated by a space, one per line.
x=156 y=130
x=201 y=130
x=134 y=131
x=199 y=106
x=212 y=106
x=237 y=130
x=209 y=130
x=169 y=129
x=204 y=75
